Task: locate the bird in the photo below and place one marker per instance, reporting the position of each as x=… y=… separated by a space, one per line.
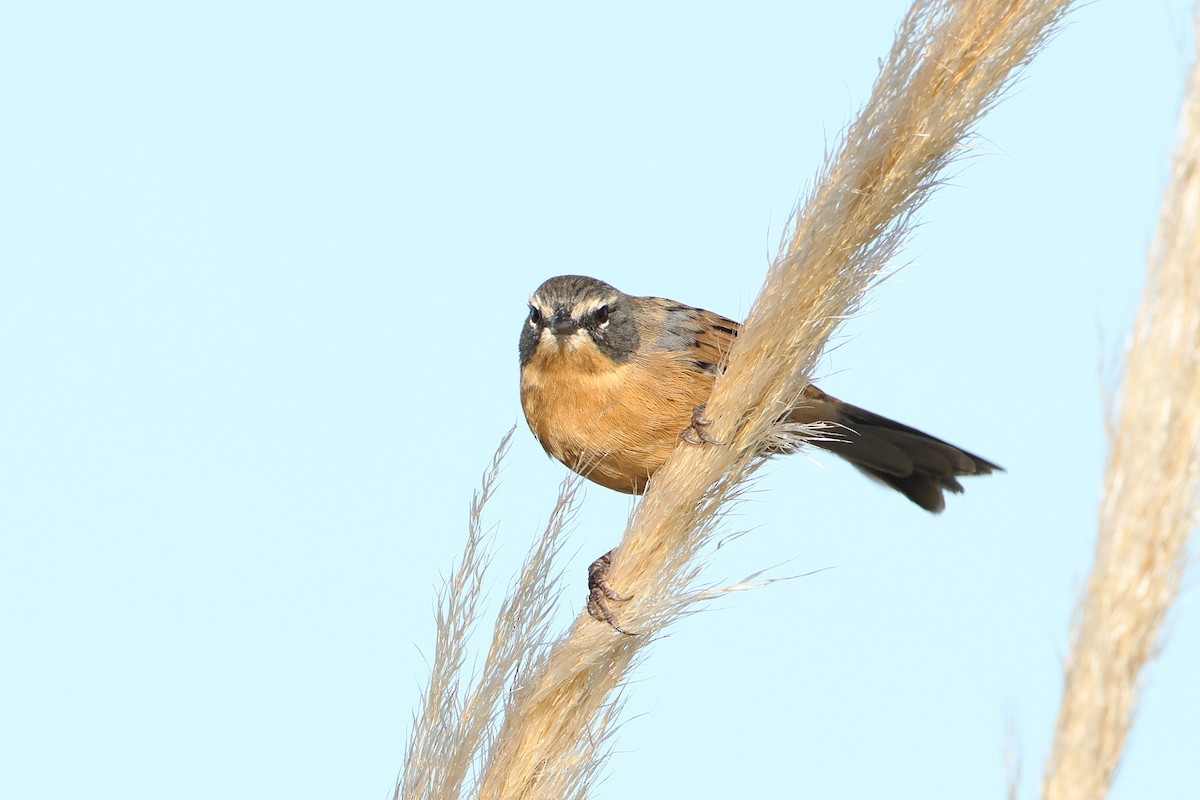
x=611 y=383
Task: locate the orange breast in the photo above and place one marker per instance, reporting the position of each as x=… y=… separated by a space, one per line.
x=615 y=424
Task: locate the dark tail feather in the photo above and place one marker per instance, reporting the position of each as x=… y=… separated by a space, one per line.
x=910 y=461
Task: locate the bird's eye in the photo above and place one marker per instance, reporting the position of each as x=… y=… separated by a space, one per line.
x=535 y=317
x=601 y=315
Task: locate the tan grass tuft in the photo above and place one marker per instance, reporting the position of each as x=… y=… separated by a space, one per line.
x=1149 y=507
x=950 y=63
x=459 y=714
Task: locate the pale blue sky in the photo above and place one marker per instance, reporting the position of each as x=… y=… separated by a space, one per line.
x=262 y=272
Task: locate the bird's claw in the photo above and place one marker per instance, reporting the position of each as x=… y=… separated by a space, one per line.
x=599 y=593
x=696 y=433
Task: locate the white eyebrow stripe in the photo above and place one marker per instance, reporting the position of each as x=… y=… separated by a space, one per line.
x=591 y=304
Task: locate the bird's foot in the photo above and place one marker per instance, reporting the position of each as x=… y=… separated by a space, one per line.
x=696 y=433
x=599 y=593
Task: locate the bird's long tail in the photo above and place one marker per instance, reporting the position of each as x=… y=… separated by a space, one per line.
x=912 y=462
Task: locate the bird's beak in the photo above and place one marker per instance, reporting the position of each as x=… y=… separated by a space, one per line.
x=562 y=324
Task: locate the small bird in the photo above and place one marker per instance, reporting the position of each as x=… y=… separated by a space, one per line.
x=611 y=383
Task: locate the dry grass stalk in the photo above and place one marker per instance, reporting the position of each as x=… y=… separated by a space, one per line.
x=457 y=718
x=950 y=63
x=1149 y=508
